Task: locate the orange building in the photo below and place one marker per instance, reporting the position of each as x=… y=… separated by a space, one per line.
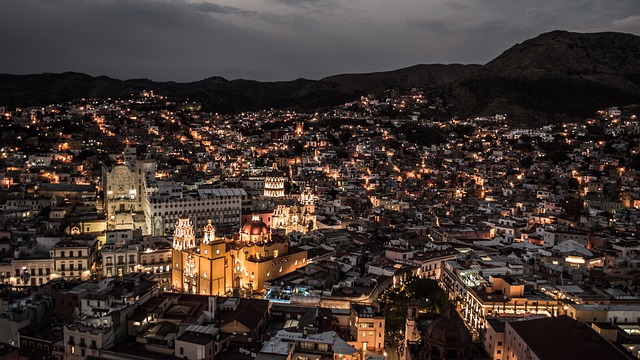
x=238 y=265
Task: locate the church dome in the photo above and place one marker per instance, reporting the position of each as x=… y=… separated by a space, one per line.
x=448 y=332
x=255 y=227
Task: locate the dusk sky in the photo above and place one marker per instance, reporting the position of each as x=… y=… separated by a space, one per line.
x=280 y=39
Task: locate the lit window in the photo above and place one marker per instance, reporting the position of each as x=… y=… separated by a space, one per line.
x=206 y=251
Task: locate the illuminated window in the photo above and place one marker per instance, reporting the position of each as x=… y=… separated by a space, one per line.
x=206 y=251
x=307 y=345
x=218 y=252
x=275 y=253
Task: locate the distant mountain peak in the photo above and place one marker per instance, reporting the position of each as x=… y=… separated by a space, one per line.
x=567 y=53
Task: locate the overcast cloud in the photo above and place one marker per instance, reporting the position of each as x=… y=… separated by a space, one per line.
x=185 y=40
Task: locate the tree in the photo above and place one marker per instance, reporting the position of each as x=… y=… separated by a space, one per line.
x=558 y=157
x=296 y=147
x=573 y=184
x=526 y=162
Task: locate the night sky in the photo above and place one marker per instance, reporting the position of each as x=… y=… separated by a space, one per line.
x=280 y=39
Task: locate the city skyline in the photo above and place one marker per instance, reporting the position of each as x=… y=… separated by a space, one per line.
x=457 y=211
x=279 y=39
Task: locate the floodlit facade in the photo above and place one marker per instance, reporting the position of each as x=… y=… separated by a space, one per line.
x=237 y=265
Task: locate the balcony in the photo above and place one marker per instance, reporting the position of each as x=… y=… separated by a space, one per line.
x=152 y=263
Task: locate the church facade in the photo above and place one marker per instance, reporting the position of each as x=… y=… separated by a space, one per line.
x=237 y=265
x=125 y=196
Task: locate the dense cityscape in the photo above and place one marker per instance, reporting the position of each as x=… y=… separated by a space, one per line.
x=144 y=227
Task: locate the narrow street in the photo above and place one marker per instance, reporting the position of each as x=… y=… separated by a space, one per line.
x=392 y=352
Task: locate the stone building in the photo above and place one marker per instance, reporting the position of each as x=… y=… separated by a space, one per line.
x=236 y=264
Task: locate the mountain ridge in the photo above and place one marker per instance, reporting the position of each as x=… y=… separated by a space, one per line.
x=554 y=75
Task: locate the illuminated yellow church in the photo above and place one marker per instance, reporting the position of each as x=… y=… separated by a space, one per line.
x=236 y=265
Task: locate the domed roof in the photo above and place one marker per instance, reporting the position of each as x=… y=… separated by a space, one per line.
x=255 y=227
x=449 y=332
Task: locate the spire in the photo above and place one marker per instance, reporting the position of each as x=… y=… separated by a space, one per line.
x=209 y=233
x=183 y=236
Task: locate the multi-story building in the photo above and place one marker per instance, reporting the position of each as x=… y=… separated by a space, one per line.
x=224 y=265
x=530 y=340
x=222 y=206
x=501 y=295
x=103 y=315
x=554 y=237
x=615 y=313
x=198 y=343
x=127 y=252
x=307 y=345
x=119 y=260
x=411 y=331
x=155 y=257
x=126 y=200
x=31 y=271
x=74 y=259
x=367 y=328
x=25 y=314
x=494 y=339
x=134 y=201
x=428 y=263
